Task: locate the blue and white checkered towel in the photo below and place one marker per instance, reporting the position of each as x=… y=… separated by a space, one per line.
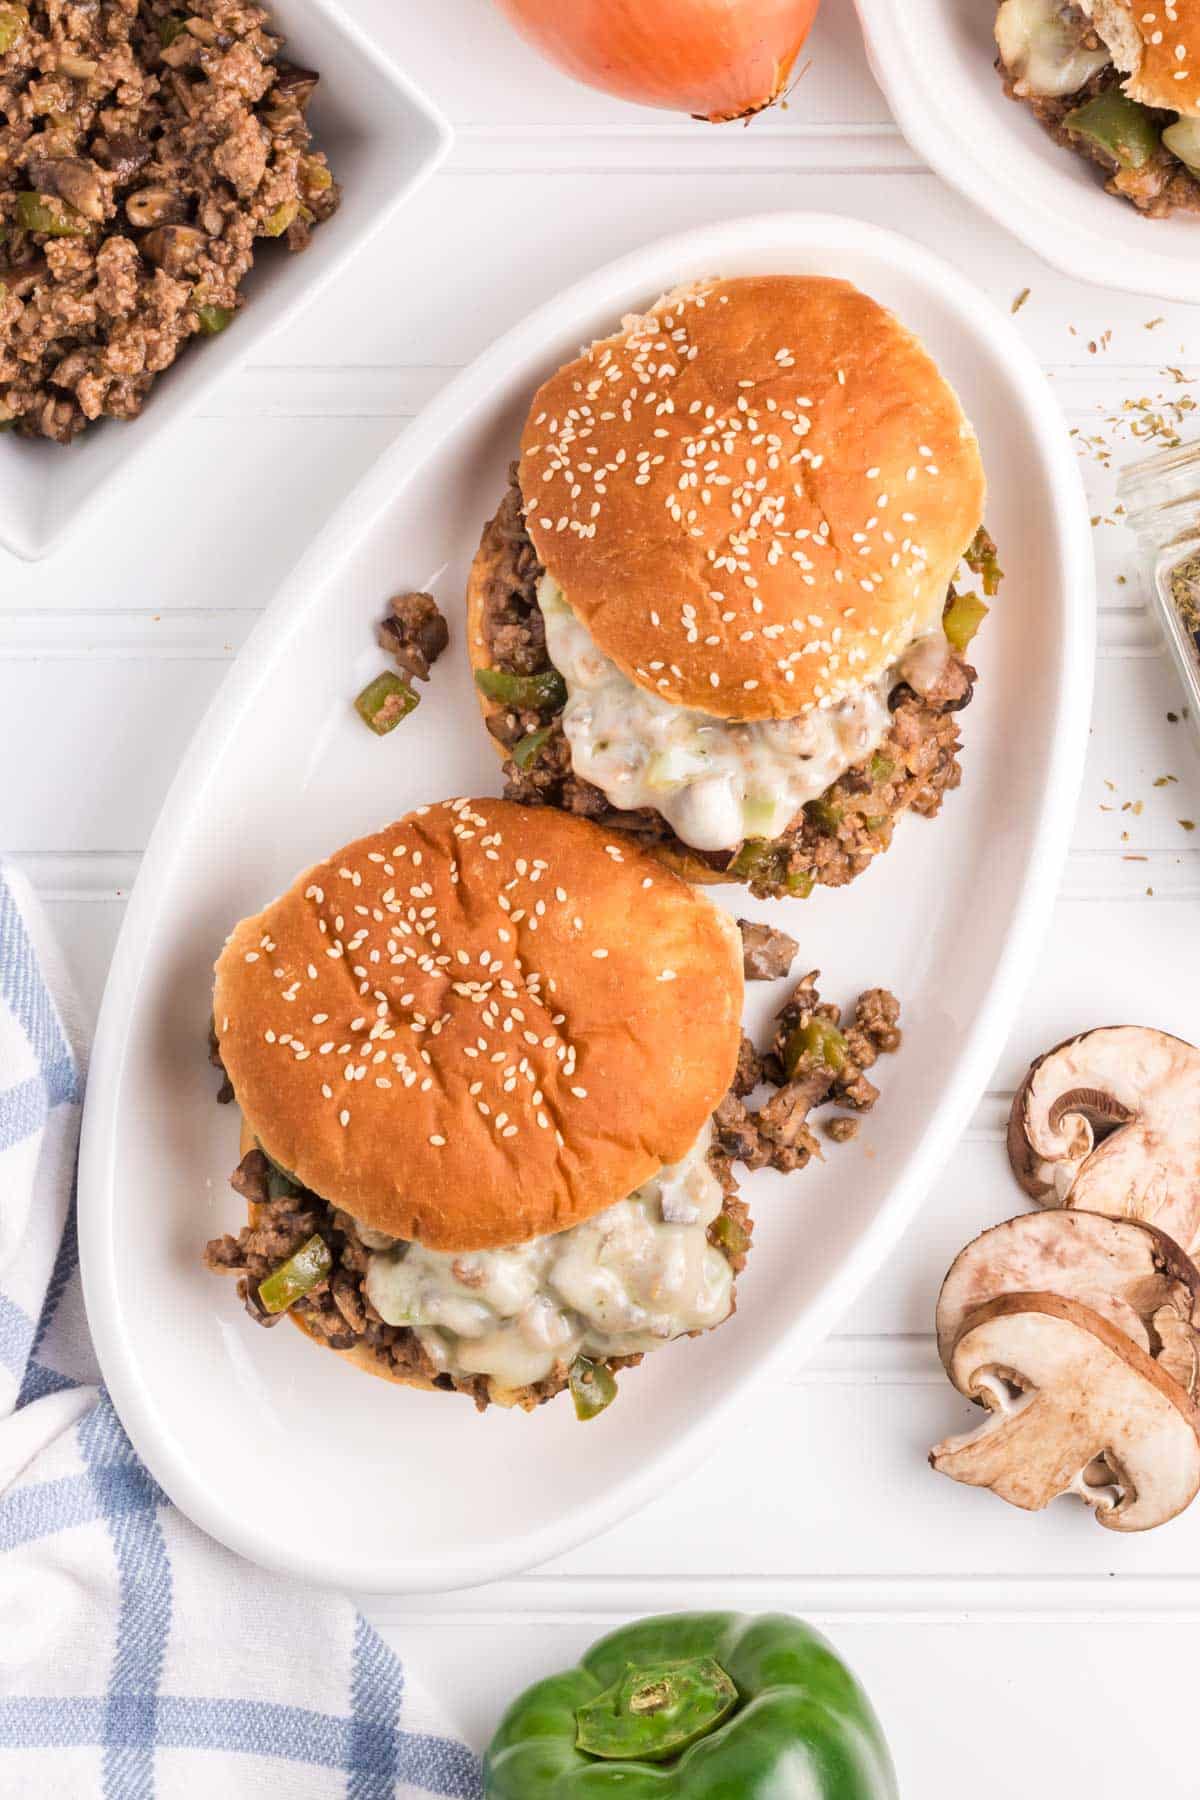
x=138 y=1659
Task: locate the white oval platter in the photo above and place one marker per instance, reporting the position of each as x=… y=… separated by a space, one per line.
x=287 y=1454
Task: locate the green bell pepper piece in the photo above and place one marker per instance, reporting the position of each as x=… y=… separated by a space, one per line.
x=297 y=1276
x=384 y=702
x=819 y=1038
x=1182 y=139
x=593 y=1387
x=647 y=1715
x=881 y=768
x=544 y=692
x=14 y=23
x=277 y=222
x=1118 y=125
x=526 y=751
x=962 y=618
x=53 y=218
x=765 y=862
x=729 y=1234
x=982 y=560
x=826 y=815
x=214 y=319
x=757 y=860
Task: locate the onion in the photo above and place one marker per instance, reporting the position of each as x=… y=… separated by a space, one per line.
x=716 y=59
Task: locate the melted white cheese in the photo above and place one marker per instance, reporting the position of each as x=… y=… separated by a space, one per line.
x=715 y=781
x=1042 y=46
x=627 y=1281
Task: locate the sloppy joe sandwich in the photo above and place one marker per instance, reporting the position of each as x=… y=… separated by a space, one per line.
x=477 y=1056
x=1117 y=81
x=715 y=610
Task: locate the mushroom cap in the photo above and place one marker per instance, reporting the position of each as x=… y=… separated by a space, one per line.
x=1092 y=1415
x=1109 y=1122
x=1129 y=1272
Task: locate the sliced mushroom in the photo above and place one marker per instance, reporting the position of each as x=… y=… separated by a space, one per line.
x=1110 y=1123
x=294 y=84
x=21 y=282
x=74 y=179
x=155 y=205
x=175 y=248
x=121 y=154
x=1129 y=1272
x=1075 y=1408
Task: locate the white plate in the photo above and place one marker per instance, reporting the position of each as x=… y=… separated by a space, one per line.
x=383 y=138
x=288 y=1455
x=934 y=61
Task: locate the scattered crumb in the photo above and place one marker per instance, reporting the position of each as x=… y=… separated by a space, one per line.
x=1188 y=824
x=1130 y=858
x=1020 y=300
x=842 y=1129
x=1151 y=324
x=1172 y=718
x=1162 y=780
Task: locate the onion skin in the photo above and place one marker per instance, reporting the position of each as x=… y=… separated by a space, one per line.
x=715 y=59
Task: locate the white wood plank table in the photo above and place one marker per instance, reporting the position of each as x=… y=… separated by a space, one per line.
x=1007 y=1654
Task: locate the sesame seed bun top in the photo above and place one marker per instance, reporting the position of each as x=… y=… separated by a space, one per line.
x=1157 y=44
x=754 y=495
x=480 y=1025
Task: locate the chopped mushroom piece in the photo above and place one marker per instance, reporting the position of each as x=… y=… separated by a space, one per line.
x=1076 y=1407
x=1130 y=1273
x=766 y=953
x=1110 y=1123
x=415 y=632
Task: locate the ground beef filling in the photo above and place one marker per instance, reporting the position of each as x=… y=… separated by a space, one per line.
x=1161 y=186
x=414 y=631
x=814 y=1059
x=144 y=152
x=338 y=1311
x=831 y=841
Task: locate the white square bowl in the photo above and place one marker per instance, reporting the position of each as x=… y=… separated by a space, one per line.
x=383 y=138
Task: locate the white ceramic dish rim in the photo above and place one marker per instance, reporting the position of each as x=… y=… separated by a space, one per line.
x=146 y=432
x=941 y=137
x=607 y=289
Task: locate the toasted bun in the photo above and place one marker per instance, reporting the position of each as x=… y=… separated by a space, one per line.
x=674 y=856
x=480 y=1025
x=1157 y=44
x=755 y=495
x=363 y=1357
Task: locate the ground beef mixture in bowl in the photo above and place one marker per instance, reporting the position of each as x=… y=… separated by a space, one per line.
x=1052 y=60
x=144 y=151
x=829 y=843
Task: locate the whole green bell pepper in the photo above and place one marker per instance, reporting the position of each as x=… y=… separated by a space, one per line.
x=695 y=1706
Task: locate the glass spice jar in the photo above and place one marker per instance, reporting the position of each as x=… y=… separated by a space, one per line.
x=1161 y=497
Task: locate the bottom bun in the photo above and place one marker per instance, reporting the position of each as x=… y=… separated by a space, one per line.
x=372 y=1363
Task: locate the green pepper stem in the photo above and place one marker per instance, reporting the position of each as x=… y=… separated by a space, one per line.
x=652 y=1714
